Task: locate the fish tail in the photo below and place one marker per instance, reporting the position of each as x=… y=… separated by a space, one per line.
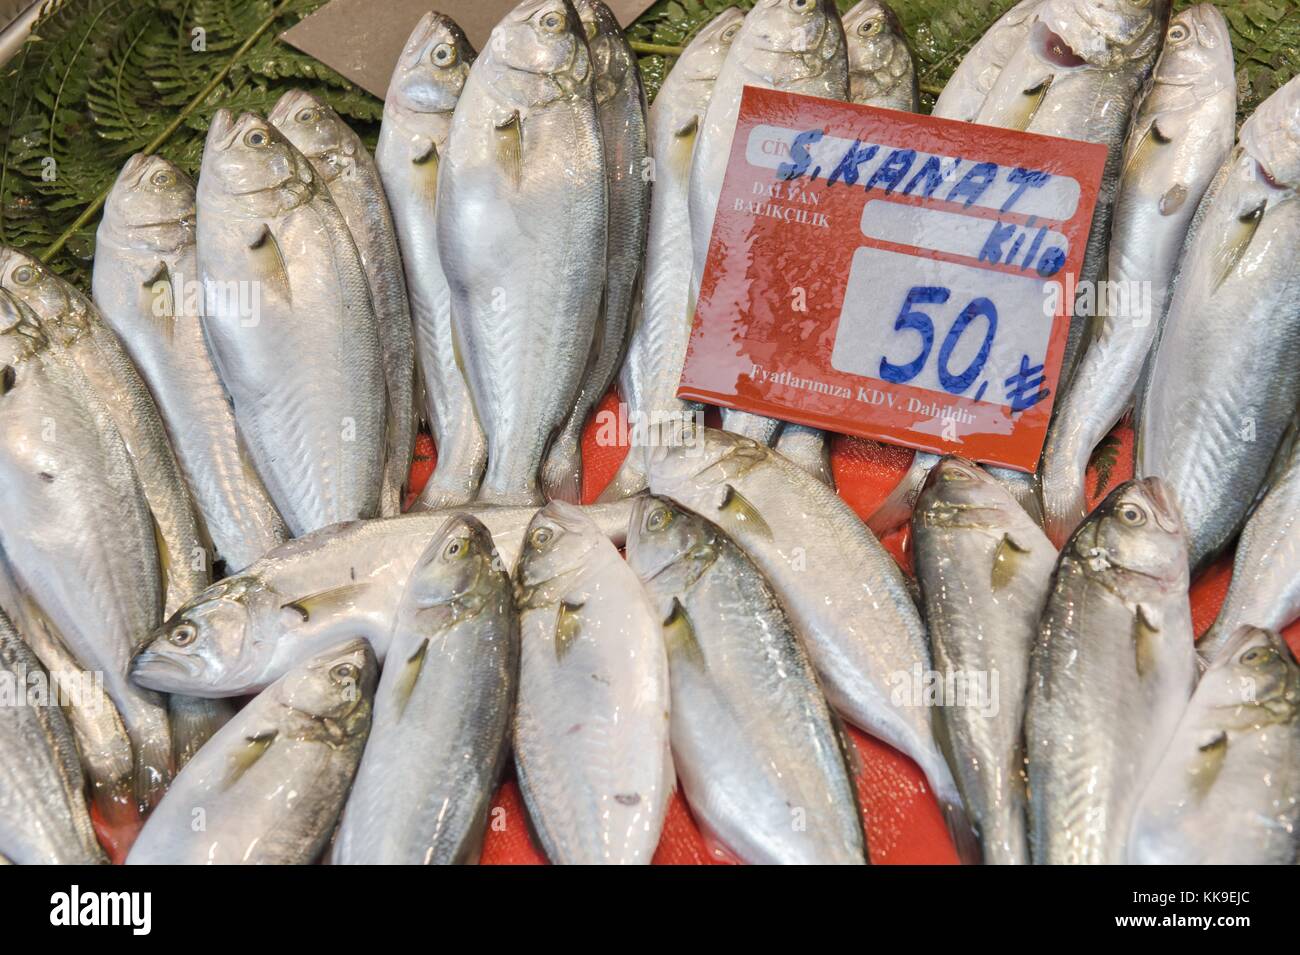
x=895 y=510
x=562 y=471
x=1064 y=506
x=194 y=721
x=752 y=426
x=631 y=478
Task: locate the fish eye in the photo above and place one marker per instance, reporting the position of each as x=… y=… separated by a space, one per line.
x=553 y=22
x=343 y=673
x=541 y=536
x=307 y=115
x=729 y=34
x=871 y=27
x=1132 y=515
x=1178 y=33
x=957 y=474
x=256 y=138
x=444 y=54
x=589 y=27
x=1140 y=3
x=163 y=177
x=800 y=5
x=24 y=275
x=183 y=635
x=659 y=518
x=1257 y=656
x=456 y=547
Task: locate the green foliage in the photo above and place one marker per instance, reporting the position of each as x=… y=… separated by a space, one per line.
x=100 y=79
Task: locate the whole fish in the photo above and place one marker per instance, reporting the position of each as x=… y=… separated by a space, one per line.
x=43 y=815
x=521 y=231
x=1077 y=75
x=591 y=724
x=881 y=71
x=1181 y=133
x=78 y=334
x=793 y=45
x=846 y=596
x=621 y=109
x=147 y=287
x=753 y=740
x=807 y=447
x=340 y=158
x=977 y=73
x=441 y=729
x=246 y=631
x=76 y=531
x=426 y=83
x=1111 y=671
x=1225 y=381
x=1265 y=587
x=984 y=568
x=291 y=325
x=1228 y=790
x=657 y=348
x=269 y=786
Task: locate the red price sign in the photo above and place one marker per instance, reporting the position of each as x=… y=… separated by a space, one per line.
x=893 y=276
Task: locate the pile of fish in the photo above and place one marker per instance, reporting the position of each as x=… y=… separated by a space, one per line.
x=204 y=468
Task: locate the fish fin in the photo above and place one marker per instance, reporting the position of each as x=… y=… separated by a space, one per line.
x=243 y=760
x=510 y=147
x=683 y=148
x=1006 y=561
x=324 y=602
x=742 y=513
x=409 y=676
x=679 y=635
x=428 y=155
x=194 y=721
x=164 y=560
x=161 y=304
x=568 y=627
x=1173 y=199
x=426 y=164
x=964 y=838
x=1208 y=764
x=270 y=260
x=1148 y=143
x=1029 y=106
x=1144 y=633
x=1237 y=242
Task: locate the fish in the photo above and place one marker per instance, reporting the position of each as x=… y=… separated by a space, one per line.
x=77 y=334
x=244 y=632
x=291 y=325
x=797 y=46
x=845 y=595
x=1111 y=670
x=807 y=447
x=440 y=735
x=984 y=568
x=521 y=218
x=977 y=73
x=269 y=787
x=1181 y=133
x=146 y=284
x=881 y=70
x=621 y=109
x=591 y=733
x=42 y=785
x=1225 y=380
x=1227 y=791
x=1264 y=591
x=754 y=742
x=656 y=352
x=422 y=94
x=1077 y=75
x=351 y=176
x=76 y=532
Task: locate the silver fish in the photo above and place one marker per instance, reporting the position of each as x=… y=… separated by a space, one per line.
x=441 y=729
x=1077 y=75
x=43 y=815
x=1265 y=587
x=246 y=631
x=881 y=71
x=521 y=219
x=657 y=348
x=78 y=334
x=794 y=46
x=807 y=447
x=270 y=785
x=1225 y=381
x=984 y=568
x=1228 y=790
x=846 y=596
x=291 y=325
x=977 y=73
x=754 y=742
x=591 y=726
x=341 y=159
x=75 y=529
x=1181 y=133
x=1111 y=671
x=621 y=108
x=147 y=287
x=426 y=83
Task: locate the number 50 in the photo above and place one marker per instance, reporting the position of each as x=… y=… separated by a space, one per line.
x=912 y=319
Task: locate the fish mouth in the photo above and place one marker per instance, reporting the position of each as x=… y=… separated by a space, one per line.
x=1052 y=48
x=164 y=672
